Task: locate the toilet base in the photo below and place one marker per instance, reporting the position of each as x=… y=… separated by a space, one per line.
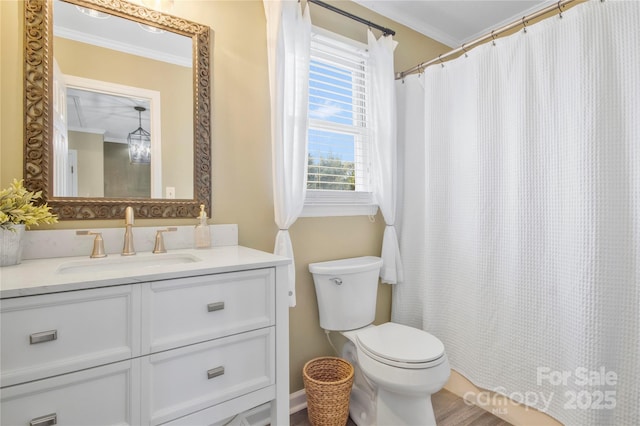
x=395 y=409
x=390 y=409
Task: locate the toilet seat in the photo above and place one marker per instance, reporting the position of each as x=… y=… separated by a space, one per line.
x=400 y=346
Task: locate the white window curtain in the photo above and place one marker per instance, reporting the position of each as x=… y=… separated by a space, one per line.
x=521 y=224
x=384 y=150
x=288 y=49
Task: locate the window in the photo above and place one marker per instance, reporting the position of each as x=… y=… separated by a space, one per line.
x=338 y=181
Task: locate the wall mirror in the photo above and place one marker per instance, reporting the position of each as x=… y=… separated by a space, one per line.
x=117 y=110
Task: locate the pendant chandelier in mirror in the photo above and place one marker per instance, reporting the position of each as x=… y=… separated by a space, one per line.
x=139 y=142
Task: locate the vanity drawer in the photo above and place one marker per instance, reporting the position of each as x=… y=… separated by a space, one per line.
x=224 y=413
x=53 y=334
x=184 y=380
x=107 y=395
x=191 y=310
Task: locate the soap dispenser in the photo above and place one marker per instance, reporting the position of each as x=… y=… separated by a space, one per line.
x=202 y=234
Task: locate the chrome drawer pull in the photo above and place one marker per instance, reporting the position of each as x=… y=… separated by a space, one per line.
x=43 y=336
x=48 y=420
x=217 y=306
x=215 y=372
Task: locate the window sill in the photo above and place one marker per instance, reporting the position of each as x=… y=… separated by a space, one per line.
x=338 y=203
x=339 y=210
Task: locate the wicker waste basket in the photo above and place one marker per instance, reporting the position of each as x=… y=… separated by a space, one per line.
x=327 y=383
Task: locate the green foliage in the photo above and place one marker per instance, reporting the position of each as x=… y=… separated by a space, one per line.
x=17 y=207
x=331 y=173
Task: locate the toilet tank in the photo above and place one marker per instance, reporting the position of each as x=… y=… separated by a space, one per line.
x=347 y=290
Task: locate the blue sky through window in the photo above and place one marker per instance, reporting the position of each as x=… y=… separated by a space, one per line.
x=330 y=99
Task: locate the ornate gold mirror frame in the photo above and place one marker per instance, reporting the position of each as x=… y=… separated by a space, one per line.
x=38 y=171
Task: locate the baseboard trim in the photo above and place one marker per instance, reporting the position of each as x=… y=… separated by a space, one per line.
x=297 y=401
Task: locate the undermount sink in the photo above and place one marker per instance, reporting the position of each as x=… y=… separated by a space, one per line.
x=119 y=263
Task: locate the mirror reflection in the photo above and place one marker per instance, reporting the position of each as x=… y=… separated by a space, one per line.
x=120 y=88
x=112 y=164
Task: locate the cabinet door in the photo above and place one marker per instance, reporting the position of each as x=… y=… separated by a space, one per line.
x=184 y=380
x=53 y=334
x=107 y=395
x=191 y=310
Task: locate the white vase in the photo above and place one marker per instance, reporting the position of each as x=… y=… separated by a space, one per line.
x=11 y=245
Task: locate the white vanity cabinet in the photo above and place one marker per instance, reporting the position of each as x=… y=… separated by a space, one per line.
x=196 y=348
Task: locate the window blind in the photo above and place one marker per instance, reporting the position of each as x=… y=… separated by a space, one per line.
x=338 y=135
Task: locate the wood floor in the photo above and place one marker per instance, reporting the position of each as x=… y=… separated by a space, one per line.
x=450 y=410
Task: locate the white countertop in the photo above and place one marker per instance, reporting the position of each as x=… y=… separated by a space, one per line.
x=42 y=276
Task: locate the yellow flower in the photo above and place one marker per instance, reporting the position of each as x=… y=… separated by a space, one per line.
x=17 y=207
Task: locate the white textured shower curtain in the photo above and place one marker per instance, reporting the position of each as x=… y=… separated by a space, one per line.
x=520 y=222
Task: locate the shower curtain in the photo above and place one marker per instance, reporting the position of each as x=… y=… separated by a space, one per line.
x=520 y=215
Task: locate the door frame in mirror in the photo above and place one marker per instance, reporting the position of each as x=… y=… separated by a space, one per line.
x=38 y=69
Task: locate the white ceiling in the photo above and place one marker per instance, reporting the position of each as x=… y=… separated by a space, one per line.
x=454 y=22
x=120 y=34
x=110 y=115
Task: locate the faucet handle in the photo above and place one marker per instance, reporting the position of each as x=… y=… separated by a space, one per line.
x=159 y=246
x=98 y=244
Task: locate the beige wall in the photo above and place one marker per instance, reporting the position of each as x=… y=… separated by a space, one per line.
x=11 y=136
x=90 y=163
x=242 y=191
x=175 y=84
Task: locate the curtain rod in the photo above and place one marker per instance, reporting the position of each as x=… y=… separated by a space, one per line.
x=386 y=31
x=492 y=35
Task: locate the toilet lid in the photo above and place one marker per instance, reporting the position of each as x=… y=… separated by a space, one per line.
x=400 y=343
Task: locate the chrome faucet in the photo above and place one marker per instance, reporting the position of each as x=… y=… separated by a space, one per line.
x=128 y=249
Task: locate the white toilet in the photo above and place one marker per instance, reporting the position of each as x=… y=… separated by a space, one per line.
x=397 y=368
